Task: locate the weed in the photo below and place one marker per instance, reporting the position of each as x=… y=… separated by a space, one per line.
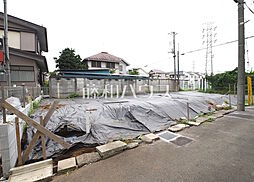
x=73 y=95
x=210 y=120
x=228 y=108
x=36 y=104
x=24 y=127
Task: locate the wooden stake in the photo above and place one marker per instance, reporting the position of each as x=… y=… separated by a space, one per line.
x=18 y=141
x=36 y=125
x=37 y=134
x=43 y=140
x=188 y=111
x=24 y=94
x=229 y=96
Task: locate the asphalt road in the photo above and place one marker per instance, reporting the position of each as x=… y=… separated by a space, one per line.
x=221 y=151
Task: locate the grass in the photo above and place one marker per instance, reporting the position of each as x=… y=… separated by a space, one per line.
x=210 y=120
x=73 y=95
x=36 y=104
x=228 y=108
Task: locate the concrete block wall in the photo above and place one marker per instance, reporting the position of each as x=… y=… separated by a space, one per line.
x=63 y=87
x=8 y=142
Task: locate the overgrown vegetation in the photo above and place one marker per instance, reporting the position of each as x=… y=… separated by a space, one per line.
x=220 y=82
x=73 y=95
x=133 y=72
x=112 y=71
x=35 y=105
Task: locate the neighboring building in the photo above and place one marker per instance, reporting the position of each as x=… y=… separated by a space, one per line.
x=141 y=72
x=158 y=74
x=190 y=80
x=105 y=60
x=26 y=42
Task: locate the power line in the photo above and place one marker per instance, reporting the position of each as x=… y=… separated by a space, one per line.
x=249 y=8
x=225 y=43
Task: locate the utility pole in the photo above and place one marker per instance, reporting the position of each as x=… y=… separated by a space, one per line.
x=6 y=47
x=241 y=58
x=174 y=56
x=178 y=71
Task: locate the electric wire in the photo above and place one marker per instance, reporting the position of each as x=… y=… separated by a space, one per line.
x=249 y=8
x=225 y=43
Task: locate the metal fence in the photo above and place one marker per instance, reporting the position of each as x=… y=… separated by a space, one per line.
x=24 y=93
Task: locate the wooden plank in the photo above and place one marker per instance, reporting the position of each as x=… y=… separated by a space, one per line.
x=37 y=134
x=30 y=146
x=36 y=125
x=43 y=141
x=3 y=109
x=18 y=141
x=50 y=112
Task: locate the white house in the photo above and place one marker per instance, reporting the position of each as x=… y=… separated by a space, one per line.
x=191 y=80
x=158 y=74
x=141 y=72
x=105 y=60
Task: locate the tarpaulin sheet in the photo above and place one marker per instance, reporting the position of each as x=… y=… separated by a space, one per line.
x=113 y=119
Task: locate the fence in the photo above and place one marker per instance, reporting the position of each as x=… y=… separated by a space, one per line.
x=64 y=87
x=23 y=92
x=199 y=84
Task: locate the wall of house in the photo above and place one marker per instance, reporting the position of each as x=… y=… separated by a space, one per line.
x=103 y=65
x=124 y=68
x=20 y=61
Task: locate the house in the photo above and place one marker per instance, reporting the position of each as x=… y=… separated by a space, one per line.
x=190 y=80
x=140 y=71
x=158 y=74
x=27 y=41
x=105 y=60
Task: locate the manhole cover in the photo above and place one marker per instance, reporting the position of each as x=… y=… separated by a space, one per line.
x=167 y=135
x=181 y=141
x=242 y=116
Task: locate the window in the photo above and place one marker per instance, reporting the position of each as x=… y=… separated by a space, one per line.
x=22 y=73
x=96 y=64
x=14 y=38
x=110 y=65
x=121 y=67
x=27 y=41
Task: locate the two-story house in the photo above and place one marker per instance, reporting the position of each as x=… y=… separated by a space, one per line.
x=26 y=42
x=158 y=74
x=105 y=60
x=190 y=80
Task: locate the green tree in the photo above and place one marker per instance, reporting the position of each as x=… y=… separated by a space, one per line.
x=221 y=81
x=133 y=72
x=69 y=60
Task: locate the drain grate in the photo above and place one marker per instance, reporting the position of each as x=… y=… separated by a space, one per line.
x=181 y=141
x=167 y=136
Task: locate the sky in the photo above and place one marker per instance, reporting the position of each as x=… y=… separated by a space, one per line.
x=138 y=30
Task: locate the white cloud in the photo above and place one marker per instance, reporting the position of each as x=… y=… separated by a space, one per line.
x=137 y=30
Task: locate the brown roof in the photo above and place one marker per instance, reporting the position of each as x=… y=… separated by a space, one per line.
x=105 y=57
x=41 y=31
